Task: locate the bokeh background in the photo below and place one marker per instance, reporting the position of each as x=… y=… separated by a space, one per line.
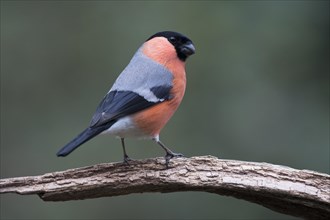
x=258 y=90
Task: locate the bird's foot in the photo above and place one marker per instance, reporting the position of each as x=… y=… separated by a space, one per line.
x=126 y=159
x=169 y=156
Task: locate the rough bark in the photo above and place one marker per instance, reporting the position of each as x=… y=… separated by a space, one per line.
x=301 y=193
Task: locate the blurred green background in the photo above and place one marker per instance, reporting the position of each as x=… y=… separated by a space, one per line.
x=258 y=90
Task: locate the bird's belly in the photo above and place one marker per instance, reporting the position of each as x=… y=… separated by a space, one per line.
x=153 y=119
x=125 y=127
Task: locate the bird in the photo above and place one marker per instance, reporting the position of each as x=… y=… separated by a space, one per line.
x=144 y=96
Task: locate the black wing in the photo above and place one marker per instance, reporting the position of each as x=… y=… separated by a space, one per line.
x=117 y=104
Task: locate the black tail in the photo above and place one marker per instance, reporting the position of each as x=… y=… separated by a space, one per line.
x=84 y=136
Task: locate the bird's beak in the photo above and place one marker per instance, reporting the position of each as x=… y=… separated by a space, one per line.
x=188 y=49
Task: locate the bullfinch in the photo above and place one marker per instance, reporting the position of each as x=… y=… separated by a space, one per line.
x=144 y=96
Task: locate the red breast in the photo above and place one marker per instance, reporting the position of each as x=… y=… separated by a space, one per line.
x=153 y=119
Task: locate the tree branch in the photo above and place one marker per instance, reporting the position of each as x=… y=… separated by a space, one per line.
x=301 y=193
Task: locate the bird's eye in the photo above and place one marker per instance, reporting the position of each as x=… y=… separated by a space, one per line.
x=172 y=40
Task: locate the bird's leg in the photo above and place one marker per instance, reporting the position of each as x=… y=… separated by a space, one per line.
x=169 y=154
x=126 y=157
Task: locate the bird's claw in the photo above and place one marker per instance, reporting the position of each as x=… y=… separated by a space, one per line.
x=169 y=156
x=126 y=159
